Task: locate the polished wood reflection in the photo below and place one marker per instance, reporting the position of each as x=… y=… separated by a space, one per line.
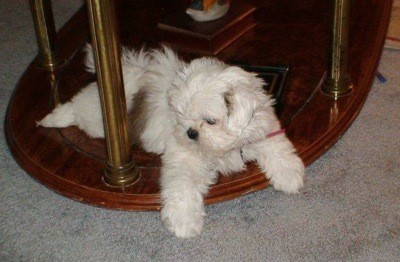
x=287 y=32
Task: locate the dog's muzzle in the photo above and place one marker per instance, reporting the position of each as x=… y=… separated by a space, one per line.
x=192 y=134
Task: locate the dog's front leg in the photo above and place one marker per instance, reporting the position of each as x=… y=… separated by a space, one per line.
x=278 y=159
x=184 y=182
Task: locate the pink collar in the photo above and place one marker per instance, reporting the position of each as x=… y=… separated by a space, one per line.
x=269 y=135
x=276 y=133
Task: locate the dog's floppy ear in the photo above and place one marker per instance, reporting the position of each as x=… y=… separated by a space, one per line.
x=240 y=109
x=242 y=97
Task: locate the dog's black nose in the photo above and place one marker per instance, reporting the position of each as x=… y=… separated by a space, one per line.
x=192 y=134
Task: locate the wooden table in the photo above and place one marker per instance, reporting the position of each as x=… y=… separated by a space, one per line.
x=287 y=32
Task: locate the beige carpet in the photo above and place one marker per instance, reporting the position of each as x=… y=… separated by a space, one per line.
x=393 y=36
x=349 y=209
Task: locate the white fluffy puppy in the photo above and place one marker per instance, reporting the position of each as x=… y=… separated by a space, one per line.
x=204 y=117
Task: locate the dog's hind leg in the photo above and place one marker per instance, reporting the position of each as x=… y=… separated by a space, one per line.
x=61 y=116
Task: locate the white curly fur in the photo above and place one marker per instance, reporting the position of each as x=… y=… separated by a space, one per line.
x=223 y=105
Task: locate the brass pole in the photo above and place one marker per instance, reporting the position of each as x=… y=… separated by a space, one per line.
x=338 y=81
x=45 y=34
x=120 y=169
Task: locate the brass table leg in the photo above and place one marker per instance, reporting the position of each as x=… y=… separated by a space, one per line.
x=120 y=169
x=45 y=34
x=338 y=82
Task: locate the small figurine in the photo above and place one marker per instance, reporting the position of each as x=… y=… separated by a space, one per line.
x=207 y=10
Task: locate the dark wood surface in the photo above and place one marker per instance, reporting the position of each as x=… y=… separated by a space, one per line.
x=180 y=31
x=296 y=33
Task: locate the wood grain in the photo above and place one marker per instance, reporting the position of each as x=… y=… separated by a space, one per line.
x=287 y=32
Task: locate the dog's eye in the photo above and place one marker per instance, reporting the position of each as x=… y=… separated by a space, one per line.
x=210 y=121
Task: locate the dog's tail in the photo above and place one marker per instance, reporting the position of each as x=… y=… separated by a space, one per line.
x=129 y=58
x=165 y=66
x=62 y=116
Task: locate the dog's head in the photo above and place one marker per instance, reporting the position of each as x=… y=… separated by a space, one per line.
x=213 y=103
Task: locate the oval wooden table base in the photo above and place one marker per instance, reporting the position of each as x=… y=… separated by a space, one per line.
x=295 y=34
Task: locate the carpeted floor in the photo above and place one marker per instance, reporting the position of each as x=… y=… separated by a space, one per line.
x=349 y=209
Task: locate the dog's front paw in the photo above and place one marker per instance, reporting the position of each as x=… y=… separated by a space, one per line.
x=183 y=220
x=289 y=179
